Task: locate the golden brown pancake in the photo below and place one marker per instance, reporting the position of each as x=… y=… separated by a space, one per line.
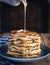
x=24 y=44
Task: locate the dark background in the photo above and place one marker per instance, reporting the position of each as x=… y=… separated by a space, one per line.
x=38 y=16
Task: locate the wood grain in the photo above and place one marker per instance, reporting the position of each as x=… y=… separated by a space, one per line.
x=46 y=39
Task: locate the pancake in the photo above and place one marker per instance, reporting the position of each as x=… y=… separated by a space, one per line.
x=24 y=44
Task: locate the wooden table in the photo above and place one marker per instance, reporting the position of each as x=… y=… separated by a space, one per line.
x=45 y=61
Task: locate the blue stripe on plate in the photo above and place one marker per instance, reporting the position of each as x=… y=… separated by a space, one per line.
x=2 y=41
x=3 y=36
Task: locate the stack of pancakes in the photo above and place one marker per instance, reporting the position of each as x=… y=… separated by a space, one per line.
x=25 y=44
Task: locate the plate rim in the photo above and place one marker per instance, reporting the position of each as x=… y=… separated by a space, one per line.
x=24 y=59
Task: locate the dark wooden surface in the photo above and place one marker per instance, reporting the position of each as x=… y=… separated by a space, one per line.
x=45 y=61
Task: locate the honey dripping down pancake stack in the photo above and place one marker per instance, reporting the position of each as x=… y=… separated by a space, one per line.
x=23 y=44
